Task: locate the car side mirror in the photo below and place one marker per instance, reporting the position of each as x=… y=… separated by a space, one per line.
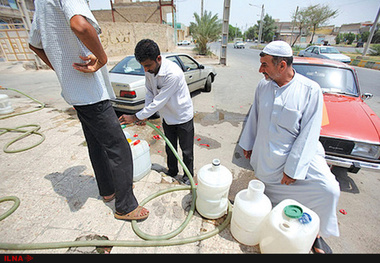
x=367 y=96
x=201 y=66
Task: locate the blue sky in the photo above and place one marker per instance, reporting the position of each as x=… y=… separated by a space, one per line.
x=244 y=15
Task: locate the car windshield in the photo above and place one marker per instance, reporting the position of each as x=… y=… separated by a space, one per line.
x=331 y=80
x=329 y=50
x=128 y=65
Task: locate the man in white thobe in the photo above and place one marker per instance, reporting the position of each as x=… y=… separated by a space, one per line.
x=281 y=138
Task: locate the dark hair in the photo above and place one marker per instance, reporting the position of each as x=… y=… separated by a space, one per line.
x=276 y=59
x=146 y=49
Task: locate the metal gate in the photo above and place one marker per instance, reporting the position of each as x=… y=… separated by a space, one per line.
x=14 y=43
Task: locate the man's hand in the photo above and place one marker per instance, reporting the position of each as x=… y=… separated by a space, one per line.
x=87 y=34
x=127 y=119
x=287 y=180
x=91 y=65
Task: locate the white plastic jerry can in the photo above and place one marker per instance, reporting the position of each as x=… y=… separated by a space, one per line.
x=251 y=206
x=289 y=228
x=5 y=104
x=214 y=181
x=141 y=158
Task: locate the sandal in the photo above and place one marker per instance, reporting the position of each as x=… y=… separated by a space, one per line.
x=320 y=244
x=134 y=215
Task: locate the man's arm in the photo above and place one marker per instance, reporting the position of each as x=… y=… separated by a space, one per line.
x=87 y=34
x=41 y=54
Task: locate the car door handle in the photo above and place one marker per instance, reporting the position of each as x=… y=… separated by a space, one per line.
x=190 y=77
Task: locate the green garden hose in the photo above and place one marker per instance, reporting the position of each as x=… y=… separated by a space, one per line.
x=16 y=203
x=25 y=133
x=150 y=241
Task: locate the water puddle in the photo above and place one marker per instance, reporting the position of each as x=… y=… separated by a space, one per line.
x=219 y=116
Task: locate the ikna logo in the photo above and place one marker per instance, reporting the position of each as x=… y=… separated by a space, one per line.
x=17 y=258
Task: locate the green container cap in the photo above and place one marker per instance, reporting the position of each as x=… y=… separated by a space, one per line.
x=293 y=211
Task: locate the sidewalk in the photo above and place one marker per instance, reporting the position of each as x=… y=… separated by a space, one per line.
x=60 y=200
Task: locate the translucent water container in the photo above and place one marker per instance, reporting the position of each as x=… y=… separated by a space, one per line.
x=289 y=228
x=127 y=134
x=141 y=158
x=214 y=181
x=5 y=104
x=251 y=206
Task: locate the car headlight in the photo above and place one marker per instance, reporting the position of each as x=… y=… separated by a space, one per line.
x=366 y=150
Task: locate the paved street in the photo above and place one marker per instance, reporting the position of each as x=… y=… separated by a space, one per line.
x=58 y=193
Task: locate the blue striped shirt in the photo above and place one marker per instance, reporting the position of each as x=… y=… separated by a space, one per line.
x=51 y=32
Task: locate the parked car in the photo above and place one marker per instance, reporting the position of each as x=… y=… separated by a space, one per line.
x=350 y=131
x=183 y=42
x=325 y=52
x=128 y=80
x=239 y=44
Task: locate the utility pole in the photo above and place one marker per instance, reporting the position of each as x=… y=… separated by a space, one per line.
x=294 y=21
x=175 y=23
x=112 y=11
x=226 y=18
x=201 y=8
x=372 y=33
x=261 y=23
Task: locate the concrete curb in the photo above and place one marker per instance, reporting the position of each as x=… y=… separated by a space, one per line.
x=358 y=63
x=365 y=64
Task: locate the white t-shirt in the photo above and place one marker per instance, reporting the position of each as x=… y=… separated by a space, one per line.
x=51 y=32
x=167 y=92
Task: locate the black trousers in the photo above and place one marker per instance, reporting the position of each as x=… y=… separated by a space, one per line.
x=184 y=133
x=110 y=154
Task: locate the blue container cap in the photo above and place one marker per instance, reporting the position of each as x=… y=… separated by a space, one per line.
x=305 y=218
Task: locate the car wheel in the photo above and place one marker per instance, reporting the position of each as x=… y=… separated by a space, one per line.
x=208 y=84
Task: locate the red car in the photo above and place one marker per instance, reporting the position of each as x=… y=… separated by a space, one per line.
x=350 y=130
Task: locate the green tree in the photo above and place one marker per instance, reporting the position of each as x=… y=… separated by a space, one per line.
x=376 y=37
x=364 y=36
x=349 y=37
x=319 y=15
x=252 y=32
x=339 y=38
x=269 y=28
x=374 y=50
x=234 y=32
x=205 y=29
x=301 y=19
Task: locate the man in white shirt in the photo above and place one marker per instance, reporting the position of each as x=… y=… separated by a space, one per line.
x=281 y=138
x=168 y=93
x=64 y=33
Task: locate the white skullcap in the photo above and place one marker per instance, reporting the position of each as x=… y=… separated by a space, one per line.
x=278 y=48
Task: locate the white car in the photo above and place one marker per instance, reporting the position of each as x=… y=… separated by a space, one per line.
x=325 y=52
x=128 y=80
x=183 y=42
x=239 y=44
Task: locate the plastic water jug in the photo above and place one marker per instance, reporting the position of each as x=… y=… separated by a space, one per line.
x=251 y=206
x=289 y=228
x=141 y=158
x=127 y=134
x=214 y=181
x=5 y=104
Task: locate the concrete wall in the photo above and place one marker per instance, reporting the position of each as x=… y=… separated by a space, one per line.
x=120 y=38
